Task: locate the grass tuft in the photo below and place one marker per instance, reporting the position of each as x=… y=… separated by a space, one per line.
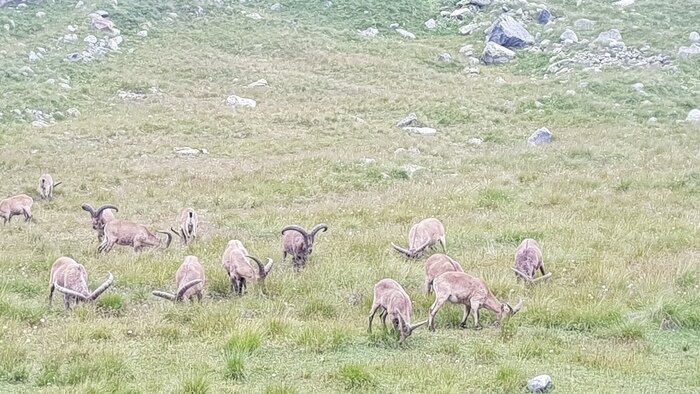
x=356 y=376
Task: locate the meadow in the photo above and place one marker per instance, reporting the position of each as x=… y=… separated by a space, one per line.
x=614 y=200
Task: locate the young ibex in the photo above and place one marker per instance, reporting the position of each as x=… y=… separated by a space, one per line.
x=528 y=259
x=17 y=205
x=425 y=234
x=437 y=265
x=46 y=186
x=188 y=226
x=239 y=269
x=462 y=288
x=395 y=303
x=125 y=233
x=190 y=281
x=70 y=278
x=100 y=217
x=299 y=243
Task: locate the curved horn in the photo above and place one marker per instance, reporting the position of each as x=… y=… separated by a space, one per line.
x=165 y=295
x=518 y=307
x=56 y=184
x=413 y=327
x=542 y=277
x=401 y=250
x=169 y=240
x=319 y=227
x=421 y=249
x=296 y=228
x=99 y=210
x=261 y=269
x=179 y=234
x=70 y=292
x=89 y=209
x=527 y=278
x=102 y=287
x=185 y=287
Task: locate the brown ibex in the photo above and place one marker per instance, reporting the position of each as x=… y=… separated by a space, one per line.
x=528 y=259
x=70 y=278
x=472 y=292
x=46 y=186
x=100 y=217
x=437 y=265
x=299 y=243
x=188 y=226
x=425 y=234
x=395 y=303
x=236 y=262
x=125 y=233
x=17 y=205
x=190 y=281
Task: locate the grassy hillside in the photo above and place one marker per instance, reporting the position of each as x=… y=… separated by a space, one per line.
x=614 y=200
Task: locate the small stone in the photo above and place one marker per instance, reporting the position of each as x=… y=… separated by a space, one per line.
x=467 y=50
x=412 y=168
x=34 y=57
x=172 y=15
x=468 y=29
x=461 y=12
x=430 y=24
x=79 y=4
x=639 y=87
x=187 y=151
x=623 y=3
x=543 y=17
x=545 y=43
x=26 y=70
x=130 y=333
x=540 y=384
x=694 y=37
x=540 y=137
x=570 y=35
x=475 y=141
x=693 y=116
x=406 y=34
x=101 y=13
x=114 y=42
x=368 y=32
x=394 y=26
x=607 y=37
x=496 y=54
x=101 y=23
x=235 y=101
x=328 y=4
x=74 y=57
x=258 y=83
x=90 y=39
x=40 y=124
x=571 y=92
x=40 y=14
x=584 y=24
x=142 y=33
x=368 y=160
x=411 y=119
x=652 y=120
x=538 y=104
x=276 y=7
x=444 y=57
x=254 y=16
x=480 y=3
x=70 y=38
x=473 y=61
x=64 y=86
x=689 y=52
x=71 y=28
x=74 y=112
x=421 y=130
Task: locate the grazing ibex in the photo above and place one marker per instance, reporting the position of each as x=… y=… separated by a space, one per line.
x=70 y=278
x=17 y=205
x=189 y=279
x=188 y=226
x=528 y=259
x=395 y=303
x=236 y=262
x=299 y=243
x=437 y=265
x=46 y=186
x=472 y=292
x=100 y=217
x=125 y=233
x=425 y=234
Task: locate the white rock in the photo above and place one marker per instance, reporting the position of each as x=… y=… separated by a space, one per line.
x=467 y=50
x=70 y=38
x=90 y=39
x=693 y=116
x=444 y=57
x=408 y=120
x=570 y=35
x=571 y=92
x=689 y=52
x=258 y=83
x=475 y=141
x=34 y=57
x=406 y=34
x=73 y=112
x=187 y=151
x=652 y=120
x=254 y=16
x=71 y=28
x=368 y=160
x=412 y=168
x=172 y=15
x=421 y=130
x=64 y=86
x=40 y=124
x=694 y=37
x=623 y=3
x=79 y=4
x=540 y=384
x=430 y=24
x=496 y=54
x=368 y=32
x=40 y=14
x=142 y=33
x=235 y=101
x=276 y=7
x=468 y=29
x=461 y=12
x=114 y=42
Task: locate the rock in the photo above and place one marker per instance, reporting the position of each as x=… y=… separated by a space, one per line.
x=101 y=13
x=467 y=50
x=328 y=4
x=571 y=92
x=538 y=104
x=235 y=101
x=479 y=3
x=103 y=24
x=421 y=130
x=79 y=4
x=368 y=160
x=617 y=45
x=461 y=12
x=406 y=34
x=276 y=7
x=74 y=57
x=607 y=37
x=496 y=54
x=545 y=43
x=40 y=124
x=26 y=71
x=540 y=137
x=544 y=16
x=584 y=24
x=570 y=35
x=142 y=33
x=411 y=151
x=430 y=24
x=114 y=42
x=689 y=52
x=693 y=116
x=468 y=29
x=412 y=168
x=254 y=16
x=90 y=39
x=411 y=119
x=34 y=57
x=652 y=120
x=444 y=57
x=638 y=87
x=472 y=70
x=64 y=86
x=623 y=3
x=258 y=83
x=73 y=112
x=70 y=38
x=394 y=26
x=71 y=28
x=40 y=14
x=473 y=61
x=540 y=384
x=475 y=141
x=508 y=33
x=187 y=151
x=694 y=37
x=368 y=32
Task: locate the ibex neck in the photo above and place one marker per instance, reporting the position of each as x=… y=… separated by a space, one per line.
x=493 y=304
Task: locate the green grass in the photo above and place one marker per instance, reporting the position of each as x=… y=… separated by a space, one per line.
x=612 y=201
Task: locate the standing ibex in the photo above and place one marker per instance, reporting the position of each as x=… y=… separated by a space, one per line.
x=236 y=262
x=462 y=288
x=70 y=278
x=437 y=265
x=425 y=234
x=188 y=226
x=528 y=259
x=299 y=243
x=100 y=217
x=46 y=186
x=395 y=303
x=189 y=279
x=17 y=205
x=125 y=233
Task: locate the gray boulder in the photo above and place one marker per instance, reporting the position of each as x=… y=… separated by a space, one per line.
x=693 y=116
x=444 y=57
x=430 y=24
x=507 y=32
x=540 y=137
x=584 y=24
x=570 y=35
x=688 y=52
x=540 y=384
x=406 y=34
x=480 y=3
x=368 y=32
x=605 y=38
x=694 y=37
x=544 y=16
x=496 y=54
x=468 y=29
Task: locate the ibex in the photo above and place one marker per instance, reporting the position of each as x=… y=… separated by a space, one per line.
x=395 y=303
x=46 y=186
x=188 y=226
x=190 y=281
x=125 y=233
x=425 y=234
x=100 y=217
x=462 y=288
x=528 y=259
x=70 y=278
x=299 y=243
x=437 y=265
x=239 y=269
x=17 y=205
